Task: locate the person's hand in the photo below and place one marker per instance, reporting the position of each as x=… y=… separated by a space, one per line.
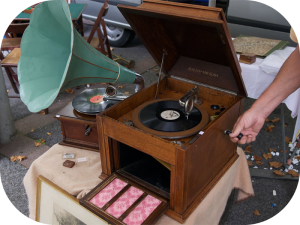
x=249 y=124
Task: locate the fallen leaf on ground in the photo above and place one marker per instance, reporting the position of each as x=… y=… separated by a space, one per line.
x=285 y=125
x=69 y=90
x=297 y=157
x=285 y=151
x=259 y=163
x=32 y=130
x=272 y=150
x=293 y=173
x=276 y=120
x=256 y=212
x=269 y=128
x=42 y=112
x=287 y=139
x=248 y=149
x=121 y=86
x=39 y=142
x=267 y=156
x=272 y=126
x=19 y=157
x=49 y=134
x=126 y=92
x=267 y=120
x=155 y=69
x=249 y=163
x=278 y=173
x=257 y=158
x=111 y=48
x=275 y=164
x=7 y=91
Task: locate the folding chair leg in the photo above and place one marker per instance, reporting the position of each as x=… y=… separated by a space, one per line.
x=101 y=41
x=106 y=42
x=14 y=75
x=46 y=111
x=11 y=79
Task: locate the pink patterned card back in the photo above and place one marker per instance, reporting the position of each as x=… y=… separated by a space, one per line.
x=124 y=202
x=142 y=211
x=106 y=194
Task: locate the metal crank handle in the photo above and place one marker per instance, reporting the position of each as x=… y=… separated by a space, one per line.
x=229 y=132
x=87 y=130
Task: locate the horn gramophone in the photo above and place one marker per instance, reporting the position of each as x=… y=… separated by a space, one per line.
x=54 y=57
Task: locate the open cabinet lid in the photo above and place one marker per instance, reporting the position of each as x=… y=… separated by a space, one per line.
x=196 y=40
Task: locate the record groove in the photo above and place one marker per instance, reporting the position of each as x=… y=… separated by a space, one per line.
x=168 y=116
x=93 y=101
x=165 y=118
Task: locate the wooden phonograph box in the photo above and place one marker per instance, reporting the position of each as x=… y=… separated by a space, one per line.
x=175 y=149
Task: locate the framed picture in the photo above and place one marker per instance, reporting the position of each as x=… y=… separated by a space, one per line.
x=57 y=207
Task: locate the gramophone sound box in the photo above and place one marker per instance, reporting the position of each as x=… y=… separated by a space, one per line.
x=141 y=139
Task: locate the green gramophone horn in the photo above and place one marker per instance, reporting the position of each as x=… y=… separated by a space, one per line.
x=54 y=57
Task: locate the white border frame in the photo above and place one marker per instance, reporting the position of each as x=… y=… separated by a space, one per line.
x=49 y=194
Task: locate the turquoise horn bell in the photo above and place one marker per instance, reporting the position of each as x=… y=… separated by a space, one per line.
x=54 y=57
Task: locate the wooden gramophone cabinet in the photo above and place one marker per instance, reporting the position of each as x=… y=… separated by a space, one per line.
x=199 y=51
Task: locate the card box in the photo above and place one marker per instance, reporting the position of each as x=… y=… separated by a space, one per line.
x=120 y=200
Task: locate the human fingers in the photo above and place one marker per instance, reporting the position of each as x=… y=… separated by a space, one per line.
x=243 y=140
x=237 y=129
x=249 y=139
x=234 y=139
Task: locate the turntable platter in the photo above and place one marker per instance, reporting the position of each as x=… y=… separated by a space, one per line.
x=165 y=118
x=93 y=101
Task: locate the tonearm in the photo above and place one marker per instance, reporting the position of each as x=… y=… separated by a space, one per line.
x=187 y=101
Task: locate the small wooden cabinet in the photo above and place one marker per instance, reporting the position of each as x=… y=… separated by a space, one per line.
x=78 y=130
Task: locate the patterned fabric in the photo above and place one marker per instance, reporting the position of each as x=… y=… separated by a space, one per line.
x=108 y=192
x=142 y=211
x=124 y=202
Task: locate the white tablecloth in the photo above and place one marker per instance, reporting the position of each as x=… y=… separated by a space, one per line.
x=256 y=81
x=84 y=176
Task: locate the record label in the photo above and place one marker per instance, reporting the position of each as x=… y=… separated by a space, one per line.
x=97 y=99
x=170 y=115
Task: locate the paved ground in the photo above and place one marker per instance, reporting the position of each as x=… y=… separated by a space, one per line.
x=35 y=126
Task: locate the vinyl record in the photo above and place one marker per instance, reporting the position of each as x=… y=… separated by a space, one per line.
x=165 y=118
x=93 y=101
x=168 y=116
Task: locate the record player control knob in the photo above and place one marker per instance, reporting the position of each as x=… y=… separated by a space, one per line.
x=229 y=132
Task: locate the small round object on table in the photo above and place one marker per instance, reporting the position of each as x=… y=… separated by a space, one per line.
x=214 y=107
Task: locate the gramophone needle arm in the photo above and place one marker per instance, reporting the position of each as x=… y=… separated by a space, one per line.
x=139 y=82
